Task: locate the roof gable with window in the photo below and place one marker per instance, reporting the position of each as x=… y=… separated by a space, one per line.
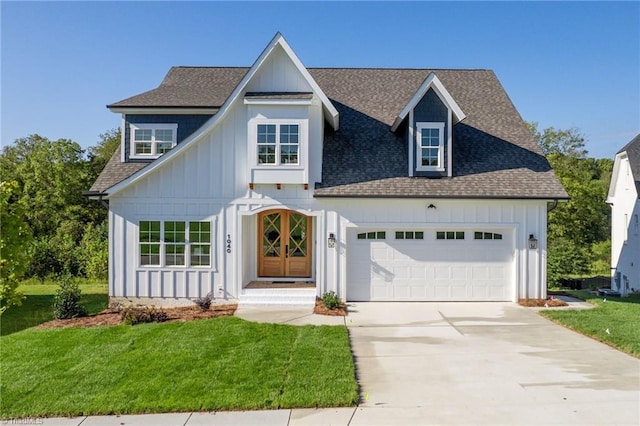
x=491 y=153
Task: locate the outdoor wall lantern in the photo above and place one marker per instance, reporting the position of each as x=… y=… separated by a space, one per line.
x=331 y=241
x=533 y=242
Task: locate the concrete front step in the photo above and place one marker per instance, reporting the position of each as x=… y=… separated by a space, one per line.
x=278 y=296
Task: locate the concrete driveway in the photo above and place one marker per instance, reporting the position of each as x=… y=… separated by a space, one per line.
x=484 y=363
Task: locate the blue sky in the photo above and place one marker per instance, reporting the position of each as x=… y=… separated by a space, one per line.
x=573 y=64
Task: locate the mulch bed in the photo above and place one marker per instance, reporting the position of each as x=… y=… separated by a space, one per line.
x=112 y=316
x=540 y=303
x=320 y=309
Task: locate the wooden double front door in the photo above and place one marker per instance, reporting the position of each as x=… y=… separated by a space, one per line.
x=284 y=244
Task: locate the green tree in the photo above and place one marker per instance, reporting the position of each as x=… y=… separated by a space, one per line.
x=51 y=177
x=100 y=154
x=585 y=218
x=568 y=142
x=580 y=228
x=15 y=238
x=94 y=251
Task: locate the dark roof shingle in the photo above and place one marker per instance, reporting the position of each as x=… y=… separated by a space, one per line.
x=495 y=154
x=633 y=154
x=189 y=87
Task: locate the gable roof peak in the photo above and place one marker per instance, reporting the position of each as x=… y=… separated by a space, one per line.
x=431 y=82
x=330 y=112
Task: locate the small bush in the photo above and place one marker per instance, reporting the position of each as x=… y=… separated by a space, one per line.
x=204 y=303
x=133 y=315
x=66 y=302
x=331 y=300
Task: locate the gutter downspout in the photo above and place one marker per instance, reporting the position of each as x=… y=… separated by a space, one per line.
x=553 y=206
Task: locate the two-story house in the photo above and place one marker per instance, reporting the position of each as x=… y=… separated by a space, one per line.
x=378 y=184
x=624 y=198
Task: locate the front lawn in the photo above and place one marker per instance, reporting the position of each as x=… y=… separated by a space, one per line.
x=620 y=316
x=37 y=307
x=223 y=363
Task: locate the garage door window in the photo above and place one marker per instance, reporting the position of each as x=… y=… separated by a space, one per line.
x=486 y=236
x=450 y=235
x=380 y=235
x=409 y=235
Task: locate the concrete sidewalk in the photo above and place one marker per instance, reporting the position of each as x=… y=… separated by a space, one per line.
x=296 y=417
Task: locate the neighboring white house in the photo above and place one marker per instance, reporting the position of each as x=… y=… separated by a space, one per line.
x=378 y=184
x=624 y=199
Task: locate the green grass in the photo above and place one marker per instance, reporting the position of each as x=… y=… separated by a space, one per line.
x=217 y=364
x=621 y=316
x=37 y=307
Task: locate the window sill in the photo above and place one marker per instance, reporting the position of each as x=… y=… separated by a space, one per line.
x=144 y=157
x=278 y=166
x=430 y=169
x=173 y=268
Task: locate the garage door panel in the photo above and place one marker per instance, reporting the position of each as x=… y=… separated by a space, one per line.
x=430 y=269
x=459 y=273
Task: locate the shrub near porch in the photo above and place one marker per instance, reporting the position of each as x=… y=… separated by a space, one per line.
x=218 y=364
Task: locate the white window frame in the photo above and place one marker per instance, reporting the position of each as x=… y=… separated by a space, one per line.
x=372 y=235
x=188 y=245
x=154 y=144
x=302 y=138
x=420 y=126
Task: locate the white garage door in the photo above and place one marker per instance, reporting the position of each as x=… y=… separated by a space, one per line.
x=430 y=265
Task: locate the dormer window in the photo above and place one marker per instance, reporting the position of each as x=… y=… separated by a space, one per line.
x=278 y=144
x=153 y=139
x=430 y=149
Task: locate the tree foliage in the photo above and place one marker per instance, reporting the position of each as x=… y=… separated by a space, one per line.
x=15 y=239
x=100 y=154
x=569 y=142
x=578 y=230
x=49 y=178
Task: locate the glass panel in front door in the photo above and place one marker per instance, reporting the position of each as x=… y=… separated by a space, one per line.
x=297 y=235
x=271 y=235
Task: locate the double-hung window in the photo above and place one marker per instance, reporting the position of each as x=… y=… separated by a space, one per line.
x=278 y=144
x=152 y=140
x=430 y=146
x=149 y=236
x=200 y=242
x=174 y=243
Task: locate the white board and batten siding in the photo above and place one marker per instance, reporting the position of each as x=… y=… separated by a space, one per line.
x=208 y=180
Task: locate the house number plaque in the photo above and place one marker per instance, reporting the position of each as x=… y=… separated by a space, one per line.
x=228 y=243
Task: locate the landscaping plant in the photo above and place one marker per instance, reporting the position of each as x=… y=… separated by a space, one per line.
x=331 y=300
x=204 y=303
x=66 y=302
x=133 y=315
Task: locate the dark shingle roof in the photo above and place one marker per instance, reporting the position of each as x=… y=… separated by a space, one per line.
x=633 y=154
x=189 y=87
x=495 y=155
x=115 y=172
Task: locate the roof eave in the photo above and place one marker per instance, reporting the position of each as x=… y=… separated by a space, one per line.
x=154 y=109
x=278 y=39
x=456 y=197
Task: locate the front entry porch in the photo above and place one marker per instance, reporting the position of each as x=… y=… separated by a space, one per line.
x=300 y=293
x=278 y=263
